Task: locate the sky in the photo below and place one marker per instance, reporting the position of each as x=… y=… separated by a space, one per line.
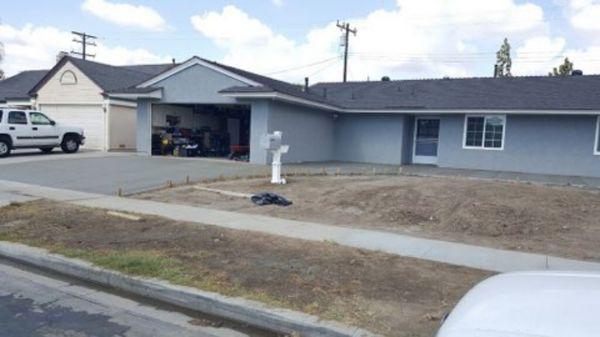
x=293 y=39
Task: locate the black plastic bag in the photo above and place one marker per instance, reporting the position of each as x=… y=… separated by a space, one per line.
x=268 y=198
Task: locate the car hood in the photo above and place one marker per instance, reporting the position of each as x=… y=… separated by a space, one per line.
x=487 y=333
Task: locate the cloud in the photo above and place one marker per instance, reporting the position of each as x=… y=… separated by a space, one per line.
x=124 y=14
x=539 y=55
x=584 y=14
x=32 y=47
x=426 y=38
x=277 y=3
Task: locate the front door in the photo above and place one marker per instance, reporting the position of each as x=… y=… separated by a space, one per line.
x=427 y=131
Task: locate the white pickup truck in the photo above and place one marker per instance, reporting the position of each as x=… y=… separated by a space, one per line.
x=26 y=129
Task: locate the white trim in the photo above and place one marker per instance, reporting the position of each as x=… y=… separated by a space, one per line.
x=69 y=103
x=62 y=76
x=192 y=62
x=289 y=98
x=597 y=141
x=156 y=94
x=424 y=159
x=117 y=102
x=284 y=97
x=20 y=102
x=482 y=147
x=475 y=111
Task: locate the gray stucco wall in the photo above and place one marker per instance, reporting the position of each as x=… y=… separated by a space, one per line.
x=369 y=138
x=259 y=126
x=534 y=144
x=197 y=85
x=144 y=127
x=309 y=132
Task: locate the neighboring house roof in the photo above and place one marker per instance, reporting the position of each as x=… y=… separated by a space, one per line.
x=18 y=86
x=507 y=93
x=107 y=77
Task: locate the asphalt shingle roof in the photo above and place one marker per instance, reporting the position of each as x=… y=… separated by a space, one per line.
x=18 y=86
x=268 y=84
x=527 y=93
x=110 y=77
x=514 y=93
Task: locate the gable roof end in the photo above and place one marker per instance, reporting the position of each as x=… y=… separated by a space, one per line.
x=195 y=60
x=106 y=77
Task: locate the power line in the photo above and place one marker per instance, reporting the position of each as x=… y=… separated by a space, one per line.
x=345 y=27
x=318 y=71
x=302 y=66
x=84 y=44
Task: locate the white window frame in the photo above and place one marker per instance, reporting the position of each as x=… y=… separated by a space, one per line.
x=597 y=141
x=482 y=147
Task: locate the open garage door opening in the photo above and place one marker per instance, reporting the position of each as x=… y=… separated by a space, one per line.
x=201 y=130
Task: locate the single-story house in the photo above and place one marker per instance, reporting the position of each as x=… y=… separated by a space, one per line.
x=547 y=125
x=74 y=92
x=14 y=91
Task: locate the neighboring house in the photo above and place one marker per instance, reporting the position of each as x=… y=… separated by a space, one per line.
x=14 y=90
x=73 y=92
x=547 y=125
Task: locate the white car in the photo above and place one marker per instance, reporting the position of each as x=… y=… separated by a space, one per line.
x=529 y=304
x=25 y=129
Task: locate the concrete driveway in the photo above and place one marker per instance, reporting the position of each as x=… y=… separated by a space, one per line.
x=105 y=173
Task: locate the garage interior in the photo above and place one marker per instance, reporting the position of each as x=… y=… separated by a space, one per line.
x=201 y=130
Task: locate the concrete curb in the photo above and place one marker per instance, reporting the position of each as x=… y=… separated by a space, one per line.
x=238 y=309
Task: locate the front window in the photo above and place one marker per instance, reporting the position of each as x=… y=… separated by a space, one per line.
x=484 y=132
x=38 y=118
x=0 y=116
x=17 y=117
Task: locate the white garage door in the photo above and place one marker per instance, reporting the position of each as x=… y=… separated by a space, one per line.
x=88 y=117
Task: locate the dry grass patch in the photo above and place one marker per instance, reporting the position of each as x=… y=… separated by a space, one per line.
x=383 y=293
x=563 y=221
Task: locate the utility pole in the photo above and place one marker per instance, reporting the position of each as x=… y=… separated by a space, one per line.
x=83 y=40
x=345 y=27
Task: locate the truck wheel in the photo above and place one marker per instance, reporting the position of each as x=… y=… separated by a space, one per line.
x=4 y=148
x=70 y=144
x=46 y=149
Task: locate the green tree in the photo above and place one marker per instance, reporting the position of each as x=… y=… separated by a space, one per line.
x=385 y=79
x=503 y=60
x=565 y=69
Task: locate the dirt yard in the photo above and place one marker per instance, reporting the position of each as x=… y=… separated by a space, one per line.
x=563 y=221
x=387 y=294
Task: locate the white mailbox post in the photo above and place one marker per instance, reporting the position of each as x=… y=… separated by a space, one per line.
x=272 y=143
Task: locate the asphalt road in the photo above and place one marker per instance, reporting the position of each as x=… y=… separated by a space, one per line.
x=35 y=305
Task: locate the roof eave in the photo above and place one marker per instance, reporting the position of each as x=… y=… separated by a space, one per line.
x=281 y=97
x=424 y=111
x=155 y=95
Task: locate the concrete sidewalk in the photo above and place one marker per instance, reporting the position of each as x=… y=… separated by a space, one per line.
x=433 y=250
